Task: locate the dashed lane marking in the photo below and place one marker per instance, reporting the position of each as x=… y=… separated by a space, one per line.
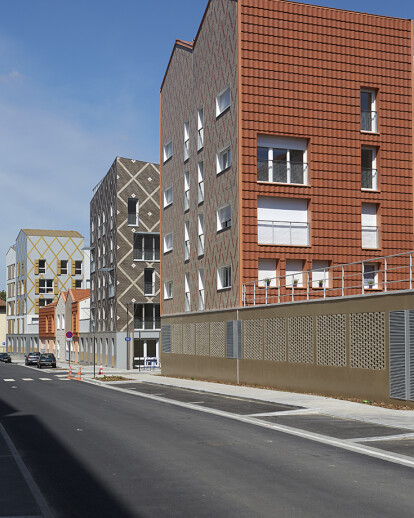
x=27 y=379
x=8 y=379
x=45 y=379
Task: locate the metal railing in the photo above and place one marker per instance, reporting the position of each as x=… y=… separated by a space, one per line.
x=282 y=172
x=369 y=121
x=282 y=233
x=147 y=362
x=133 y=219
x=377 y=274
x=369 y=179
x=149 y=288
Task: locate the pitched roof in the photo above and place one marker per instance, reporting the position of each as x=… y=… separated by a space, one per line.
x=186 y=45
x=64 y=295
x=79 y=294
x=51 y=233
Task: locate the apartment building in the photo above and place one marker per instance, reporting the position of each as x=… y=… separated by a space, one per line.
x=47 y=327
x=39 y=266
x=286 y=149
x=125 y=259
x=287 y=176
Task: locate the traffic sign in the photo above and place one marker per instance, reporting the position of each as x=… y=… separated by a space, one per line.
x=69 y=334
x=127 y=339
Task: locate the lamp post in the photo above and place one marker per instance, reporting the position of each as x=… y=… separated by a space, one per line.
x=128 y=341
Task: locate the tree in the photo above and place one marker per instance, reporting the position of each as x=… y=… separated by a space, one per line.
x=2 y=295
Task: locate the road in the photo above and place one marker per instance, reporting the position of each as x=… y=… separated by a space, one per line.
x=99 y=452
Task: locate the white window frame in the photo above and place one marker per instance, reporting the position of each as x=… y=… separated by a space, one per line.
x=294 y=273
x=186 y=140
x=187 y=294
x=135 y=223
x=200 y=227
x=200 y=178
x=267 y=272
x=186 y=191
x=152 y=293
x=369 y=226
x=220 y=98
x=200 y=128
x=224 y=277
x=47 y=286
x=42 y=269
x=168 y=290
x=64 y=269
x=374 y=178
x=167 y=150
x=374 y=120
x=201 y=300
x=168 y=242
x=168 y=196
x=370 y=272
x=186 y=240
x=223 y=219
x=220 y=164
x=320 y=274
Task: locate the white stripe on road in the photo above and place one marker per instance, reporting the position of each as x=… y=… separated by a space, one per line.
x=8 y=379
x=27 y=379
x=45 y=379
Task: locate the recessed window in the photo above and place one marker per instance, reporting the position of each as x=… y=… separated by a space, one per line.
x=369 y=225
x=201 y=303
x=294 y=273
x=370 y=275
x=168 y=197
x=78 y=267
x=200 y=235
x=168 y=150
x=224 y=277
x=267 y=272
x=186 y=140
x=146 y=247
x=200 y=175
x=168 y=290
x=200 y=129
x=369 y=173
x=282 y=221
x=368 y=111
x=64 y=267
x=133 y=212
x=149 y=281
x=223 y=101
x=186 y=191
x=223 y=159
x=186 y=240
x=320 y=274
x=187 y=301
x=42 y=265
x=45 y=285
x=168 y=243
x=78 y=284
x=224 y=217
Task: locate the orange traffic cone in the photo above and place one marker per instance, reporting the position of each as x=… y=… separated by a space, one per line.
x=70 y=377
x=101 y=370
x=79 y=376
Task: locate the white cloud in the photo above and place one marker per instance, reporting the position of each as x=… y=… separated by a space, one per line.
x=12 y=76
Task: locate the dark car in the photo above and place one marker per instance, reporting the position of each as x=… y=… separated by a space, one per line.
x=31 y=358
x=46 y=360
x=5 y=357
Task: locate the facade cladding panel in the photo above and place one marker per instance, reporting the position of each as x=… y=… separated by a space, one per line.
x=194 y=78
x=301 y=70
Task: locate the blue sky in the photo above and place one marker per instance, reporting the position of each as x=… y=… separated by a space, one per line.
x=79 y=85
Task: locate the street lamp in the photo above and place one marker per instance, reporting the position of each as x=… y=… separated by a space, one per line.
x=127 y=306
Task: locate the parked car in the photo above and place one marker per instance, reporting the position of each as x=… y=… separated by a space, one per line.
x=46 y=360
x=31 y=358
x=5 y=357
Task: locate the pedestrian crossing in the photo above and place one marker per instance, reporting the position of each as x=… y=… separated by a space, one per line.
x=58 y=378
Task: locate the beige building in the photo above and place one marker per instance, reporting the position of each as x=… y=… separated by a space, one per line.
x=2 y=326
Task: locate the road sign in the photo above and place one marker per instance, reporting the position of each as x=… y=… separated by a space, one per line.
x=127 y=339
x=69 y=334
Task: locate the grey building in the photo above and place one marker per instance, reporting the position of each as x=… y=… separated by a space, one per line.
x=125 y=262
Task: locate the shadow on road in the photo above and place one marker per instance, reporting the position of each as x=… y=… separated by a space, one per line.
x=69 y=489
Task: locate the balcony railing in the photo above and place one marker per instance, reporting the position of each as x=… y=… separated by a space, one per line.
x=133 y=219
x=282 y=172
x=369 y=179
x=369 y=121
x=150 y=323
x=283 y=233
x=149 y=288
x=378 y=274
x=369 y=237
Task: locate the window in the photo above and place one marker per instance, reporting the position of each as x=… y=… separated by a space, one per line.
x=294 y=273
x=168 y=290
x=133 y=212
x=146 y=247
x=369 y=173
x=168 y=243
x=200 y=129
x=103 y=223
x=168 y=151
x=168 y=196
x=368 y=111
x=186 y=241
x=147 y=316
x=223 y=101
x=224 y=217
x=45 y=285
x=200 y=174
x=149 y=281
x=320 y=274
x=64 y=267
x=224 y=277
x=282 y=160
x=186 y=140
x=200 y=235
x=78 y=284
x=370 y=275
x=201 y=303
x=369 y=225
x=111 y=216
x=187 y=301
x=223 y=160
x=42 y=265
x=282 y=221
x=267 y=272
x=78 y=267
x=186 y=191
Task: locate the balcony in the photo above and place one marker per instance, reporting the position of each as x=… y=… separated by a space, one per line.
x=282 y=172
x=369 y=179
x=283 y=233
x=369 y=121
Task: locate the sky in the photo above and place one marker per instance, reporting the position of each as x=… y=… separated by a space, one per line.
x=79 y=85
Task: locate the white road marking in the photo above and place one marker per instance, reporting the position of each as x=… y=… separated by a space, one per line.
x=46 y=379
x=27 y=379
x=384 y=438
x=287 y=412
x=8 y=379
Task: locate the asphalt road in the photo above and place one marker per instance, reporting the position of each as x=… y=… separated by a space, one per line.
x=97 y=452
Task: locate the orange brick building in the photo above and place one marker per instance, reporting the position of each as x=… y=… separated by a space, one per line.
x=286 y=148
x=47 y=328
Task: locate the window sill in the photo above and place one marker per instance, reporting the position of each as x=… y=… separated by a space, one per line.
x=168 y=298
x=147 y=260
x=371 y=249
x=370 y=190
x=263 y=182
x=365 y=132
x=366 y=288
x=168 y=251
x=167 y=160
x=166 y=206
x=223 y=171
x=131 y=225
x=219 y=115
x=227 y=288
x=221 y=230
x=289 y=246
x=200 y=149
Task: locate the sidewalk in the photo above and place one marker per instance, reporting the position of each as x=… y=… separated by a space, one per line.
x=318 y=404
